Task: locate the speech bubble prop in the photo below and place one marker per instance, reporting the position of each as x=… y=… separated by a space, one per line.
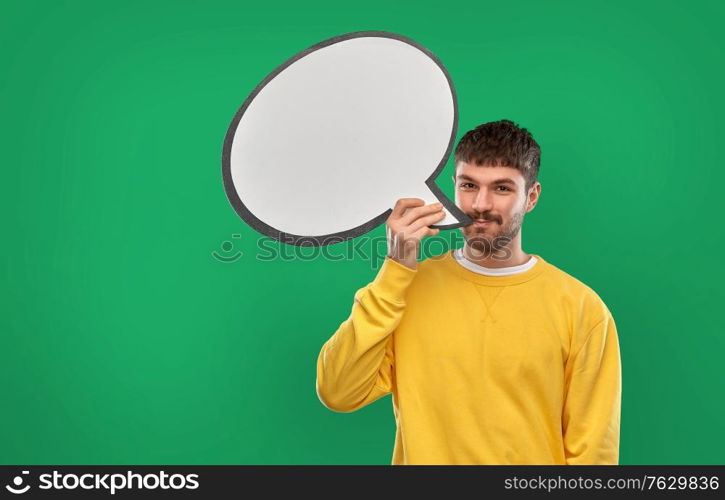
x=323 y=147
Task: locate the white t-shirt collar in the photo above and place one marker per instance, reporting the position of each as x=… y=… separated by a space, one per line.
x=490 y=271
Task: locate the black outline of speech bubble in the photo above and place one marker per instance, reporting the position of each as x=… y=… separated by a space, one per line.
x=329 y=239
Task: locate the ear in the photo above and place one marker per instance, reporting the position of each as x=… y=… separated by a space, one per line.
x=533 y=196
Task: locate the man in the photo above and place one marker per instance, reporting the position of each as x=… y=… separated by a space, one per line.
x=492 y=355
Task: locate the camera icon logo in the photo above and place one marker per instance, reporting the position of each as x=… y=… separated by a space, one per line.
x=18 y=482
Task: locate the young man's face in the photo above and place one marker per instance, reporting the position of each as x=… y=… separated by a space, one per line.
x=496 y=199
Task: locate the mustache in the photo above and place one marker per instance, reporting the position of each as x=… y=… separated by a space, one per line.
x=485 y=216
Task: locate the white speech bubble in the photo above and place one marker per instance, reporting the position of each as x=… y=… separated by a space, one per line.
x=324 y=146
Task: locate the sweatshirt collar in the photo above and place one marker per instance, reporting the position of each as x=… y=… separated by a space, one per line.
x=513 y=279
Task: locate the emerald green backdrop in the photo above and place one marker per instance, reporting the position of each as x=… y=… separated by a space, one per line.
x=125 y=341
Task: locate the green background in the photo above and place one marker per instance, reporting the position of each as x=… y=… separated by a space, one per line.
x=124 y=341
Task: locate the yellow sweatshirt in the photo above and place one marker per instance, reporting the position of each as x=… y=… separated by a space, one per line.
x=517 y=369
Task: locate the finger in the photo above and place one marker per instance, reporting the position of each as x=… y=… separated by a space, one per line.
x=421 y=233
x=403 y=203
x=414 y=213
x=428 y=220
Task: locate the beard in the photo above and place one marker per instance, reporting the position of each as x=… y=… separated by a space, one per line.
x=493 y=240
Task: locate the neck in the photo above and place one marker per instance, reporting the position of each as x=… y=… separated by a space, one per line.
x=510 y=255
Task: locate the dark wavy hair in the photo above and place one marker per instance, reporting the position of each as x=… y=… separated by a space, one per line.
x=501 y=144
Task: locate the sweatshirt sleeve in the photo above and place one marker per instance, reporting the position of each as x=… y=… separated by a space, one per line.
x=592 y=404
x=355 y=366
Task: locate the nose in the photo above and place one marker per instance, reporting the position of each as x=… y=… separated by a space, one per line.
x=483 y=201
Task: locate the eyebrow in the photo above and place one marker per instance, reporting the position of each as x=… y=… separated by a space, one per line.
x=502 y=180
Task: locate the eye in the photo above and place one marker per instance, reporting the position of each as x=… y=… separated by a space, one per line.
x=504 y=187
x=467 y=185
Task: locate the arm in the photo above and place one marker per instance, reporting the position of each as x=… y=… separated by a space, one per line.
x=592 y=403
x=355 y=366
